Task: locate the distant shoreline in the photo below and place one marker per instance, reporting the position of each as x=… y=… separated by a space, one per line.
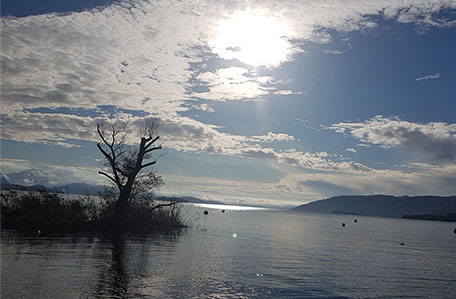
x=451 y=217
x=438 y=208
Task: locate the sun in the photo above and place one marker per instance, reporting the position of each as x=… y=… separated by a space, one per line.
x=253 y=39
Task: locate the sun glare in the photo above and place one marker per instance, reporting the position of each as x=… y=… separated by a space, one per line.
x=253 y=39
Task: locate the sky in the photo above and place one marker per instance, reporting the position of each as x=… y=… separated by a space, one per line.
x=273 y=103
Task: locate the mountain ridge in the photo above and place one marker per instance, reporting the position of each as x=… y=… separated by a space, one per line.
x=382 y=205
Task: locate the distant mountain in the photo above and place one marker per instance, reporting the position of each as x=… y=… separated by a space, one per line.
x=8 y=186
x=382 y=205
x=75 y=188
x=3 y=180
x=81 y=189
x=189 y=199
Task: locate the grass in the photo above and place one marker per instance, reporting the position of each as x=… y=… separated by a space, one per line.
x=54 y=213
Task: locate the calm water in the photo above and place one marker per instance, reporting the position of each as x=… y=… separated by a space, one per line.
x=241 y=254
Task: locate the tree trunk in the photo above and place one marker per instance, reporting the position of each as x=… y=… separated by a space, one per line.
x=120 y=209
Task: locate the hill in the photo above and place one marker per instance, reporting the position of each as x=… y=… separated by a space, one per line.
x=5 y=185
x=382 y=205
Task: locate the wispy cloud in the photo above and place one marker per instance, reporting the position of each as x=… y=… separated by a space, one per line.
x=428 y=77
x=333 y=52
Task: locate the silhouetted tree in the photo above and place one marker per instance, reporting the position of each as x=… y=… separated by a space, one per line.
x=127 y=164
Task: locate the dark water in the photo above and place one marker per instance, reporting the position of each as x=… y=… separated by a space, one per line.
x=241 y=254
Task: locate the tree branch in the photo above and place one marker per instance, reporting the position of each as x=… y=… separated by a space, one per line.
x=101 y=135
x=112 y=179
x=153 y=149
x=104 y=153
x=149 y=141
x=121 y=172
x=165 y=205
x=148 y=164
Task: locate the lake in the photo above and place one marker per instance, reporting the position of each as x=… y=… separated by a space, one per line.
x=242 y=253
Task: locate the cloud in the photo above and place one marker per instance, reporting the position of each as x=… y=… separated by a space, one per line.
x=438 y=180
x=178 y=132
x=231 y=83
x=286 y=92
x=436 y=140
x=25 y=172
x=435 y=76
x=362 y=145
x=333 y=52
x=350 y=149
x=304 y=160
x=204 y=107
x=271 y=137
x=138 y=55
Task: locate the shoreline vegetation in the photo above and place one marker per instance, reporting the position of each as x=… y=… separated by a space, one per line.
x=450 y=217
x=48 y=213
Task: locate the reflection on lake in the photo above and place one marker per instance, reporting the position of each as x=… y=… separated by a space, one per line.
x=228 y=207
x=240 y=253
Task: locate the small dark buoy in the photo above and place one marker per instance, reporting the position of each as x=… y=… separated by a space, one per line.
x=355 y=221
x=454 y=230
x=206 y=212
x=223 y=211
x=343 y=224
x=402 y=244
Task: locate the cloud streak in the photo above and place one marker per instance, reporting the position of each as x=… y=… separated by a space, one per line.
x=428 y=77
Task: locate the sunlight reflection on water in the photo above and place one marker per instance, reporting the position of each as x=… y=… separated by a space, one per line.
x=229 y=207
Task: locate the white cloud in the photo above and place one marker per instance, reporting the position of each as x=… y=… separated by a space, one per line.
x=270 y=137
x=333 y=52
x=286 y=92
x=204 y=107
x=231 y=83
x=362 y=145
x=435 y=76
x=436 y=140
x=135 y=50
x=350 y=149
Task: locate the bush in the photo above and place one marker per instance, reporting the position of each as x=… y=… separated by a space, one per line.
x=143 y=215
x=50 y=212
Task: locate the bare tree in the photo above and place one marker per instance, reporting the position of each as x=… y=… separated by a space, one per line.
x=129 y=167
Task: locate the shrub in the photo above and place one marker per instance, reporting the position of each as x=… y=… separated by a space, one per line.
x=50 y=212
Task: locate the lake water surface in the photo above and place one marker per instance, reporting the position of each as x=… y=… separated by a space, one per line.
x=240 y=254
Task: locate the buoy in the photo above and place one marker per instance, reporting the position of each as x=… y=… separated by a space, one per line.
x=355 y=221
x=223 y=211
x=454 y=230
x=343 y=224
x=402 y=244
x=206 y=212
